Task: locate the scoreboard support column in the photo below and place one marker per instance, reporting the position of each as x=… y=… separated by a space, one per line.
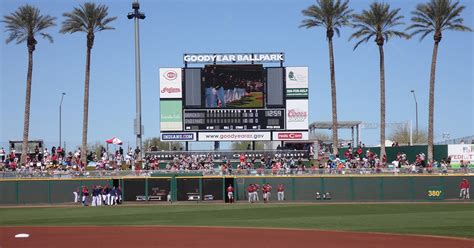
x=186 y=146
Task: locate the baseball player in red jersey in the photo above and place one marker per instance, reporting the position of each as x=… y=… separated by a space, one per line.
x=255 y=192
x=266 y=192
x=281 y=192
x=85 y=194
x=464 y=189
x=230 y=193
x=250 y=190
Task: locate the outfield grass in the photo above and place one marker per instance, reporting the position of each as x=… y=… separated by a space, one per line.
x=432 y=219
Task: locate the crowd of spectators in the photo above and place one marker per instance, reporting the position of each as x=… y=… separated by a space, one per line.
x=57 y=159
x=353 y=161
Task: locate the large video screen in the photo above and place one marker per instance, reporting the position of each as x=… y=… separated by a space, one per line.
x=233 y=86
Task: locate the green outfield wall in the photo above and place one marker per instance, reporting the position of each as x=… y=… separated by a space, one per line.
x=212 y=188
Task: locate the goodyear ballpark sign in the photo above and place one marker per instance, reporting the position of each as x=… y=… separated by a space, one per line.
x=234 y=58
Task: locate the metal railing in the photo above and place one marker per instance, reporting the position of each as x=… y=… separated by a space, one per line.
x=232 y=172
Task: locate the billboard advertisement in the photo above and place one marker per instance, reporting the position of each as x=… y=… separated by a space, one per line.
x=290 y=135
x=171 y=115
x=178 y=137
x=297 y=114
x=461 y=152
x=170 y=83
x=234 y=136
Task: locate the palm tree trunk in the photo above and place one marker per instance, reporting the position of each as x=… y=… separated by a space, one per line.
x=382 y=103
x=333 y=97
x=431 y=102
x=26 y=122
x=86 y=108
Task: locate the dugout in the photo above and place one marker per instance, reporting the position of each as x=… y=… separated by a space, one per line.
x=134 y=189
x=188 y=188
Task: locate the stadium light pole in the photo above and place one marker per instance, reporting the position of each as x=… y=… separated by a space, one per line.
x=416 y=112
x=137 y=15
x=60 y=116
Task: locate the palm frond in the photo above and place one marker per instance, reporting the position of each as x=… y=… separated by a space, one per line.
x=364 y=40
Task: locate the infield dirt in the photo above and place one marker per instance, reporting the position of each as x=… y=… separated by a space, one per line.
x=211 y=237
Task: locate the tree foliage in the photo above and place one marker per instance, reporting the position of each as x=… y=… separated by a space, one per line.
x=330 y=14
x=401 y=135
x=437 y=16
x=155 y=144
x=243 y=145
x=378 y=22
x=27 y=22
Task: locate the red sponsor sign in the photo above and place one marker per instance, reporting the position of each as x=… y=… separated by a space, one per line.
x=290 y=136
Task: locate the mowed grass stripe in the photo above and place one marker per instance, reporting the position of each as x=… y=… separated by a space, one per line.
x=431 y=219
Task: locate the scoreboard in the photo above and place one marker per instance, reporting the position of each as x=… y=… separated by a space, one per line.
x=224 y=100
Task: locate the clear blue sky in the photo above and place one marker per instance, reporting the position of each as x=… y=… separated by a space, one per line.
x=174 y=27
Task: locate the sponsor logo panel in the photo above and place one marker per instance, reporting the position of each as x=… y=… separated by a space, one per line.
x=297 y=93
x=171 y=115
x=296 y=77
x=178 y=136
x=234 y=136
x=297 y=114
x=290 y=135
x=170 y=83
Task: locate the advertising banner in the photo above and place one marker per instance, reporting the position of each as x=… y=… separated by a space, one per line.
x=234 y=136
x=290 y=135
x=461 y=152
x=178 y=137
x=296 y=77
x=171 y=115
x=170 y=83
x=297 y=114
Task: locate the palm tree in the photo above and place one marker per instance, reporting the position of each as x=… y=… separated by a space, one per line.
x=378 y=22
x=23 y=25
x=332 y=15
x=435 y=17
x=88 y=18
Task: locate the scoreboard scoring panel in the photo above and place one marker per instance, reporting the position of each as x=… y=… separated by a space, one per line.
x=234 y=119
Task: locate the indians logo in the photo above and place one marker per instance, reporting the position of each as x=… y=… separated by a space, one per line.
x=170 y=75
x=296 y=115
x=170 y=90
